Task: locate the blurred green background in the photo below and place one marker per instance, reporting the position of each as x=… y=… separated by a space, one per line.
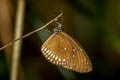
x=95 y=23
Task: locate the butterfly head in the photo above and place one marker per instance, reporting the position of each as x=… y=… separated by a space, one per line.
x=58 y=29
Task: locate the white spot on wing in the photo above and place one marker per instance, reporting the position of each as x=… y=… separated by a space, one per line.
x=47 y=51
x=57 y=62
x=51 y=60
x=87 y=62
x=63 y=59
x=53 y=56
x=56 y=58
x=48 y=58
x=43 y=52
x=73 y=50
x=80 y=49
x=65 y=63
x=42 y=48
x=65 y=49
x=59 y=59
x=73 y=55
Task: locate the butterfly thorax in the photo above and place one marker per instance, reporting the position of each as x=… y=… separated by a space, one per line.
x=58 y=29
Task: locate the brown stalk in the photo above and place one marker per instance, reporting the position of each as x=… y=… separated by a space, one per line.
x=18 y=33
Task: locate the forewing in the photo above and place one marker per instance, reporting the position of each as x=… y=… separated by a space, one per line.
x=62 y=50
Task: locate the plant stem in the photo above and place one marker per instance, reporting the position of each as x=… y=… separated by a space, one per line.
x=19 y=24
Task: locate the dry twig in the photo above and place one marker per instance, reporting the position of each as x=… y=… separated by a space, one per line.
x=26 y=35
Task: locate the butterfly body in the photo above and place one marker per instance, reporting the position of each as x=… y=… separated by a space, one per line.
x=62 y=50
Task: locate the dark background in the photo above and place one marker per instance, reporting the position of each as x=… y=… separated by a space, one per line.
x=95 y=23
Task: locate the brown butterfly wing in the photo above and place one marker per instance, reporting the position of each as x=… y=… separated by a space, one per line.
x=62 y=50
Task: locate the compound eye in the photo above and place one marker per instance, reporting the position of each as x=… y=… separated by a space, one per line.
x=61 y=28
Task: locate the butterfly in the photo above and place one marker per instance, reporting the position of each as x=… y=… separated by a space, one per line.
x=61 y=49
